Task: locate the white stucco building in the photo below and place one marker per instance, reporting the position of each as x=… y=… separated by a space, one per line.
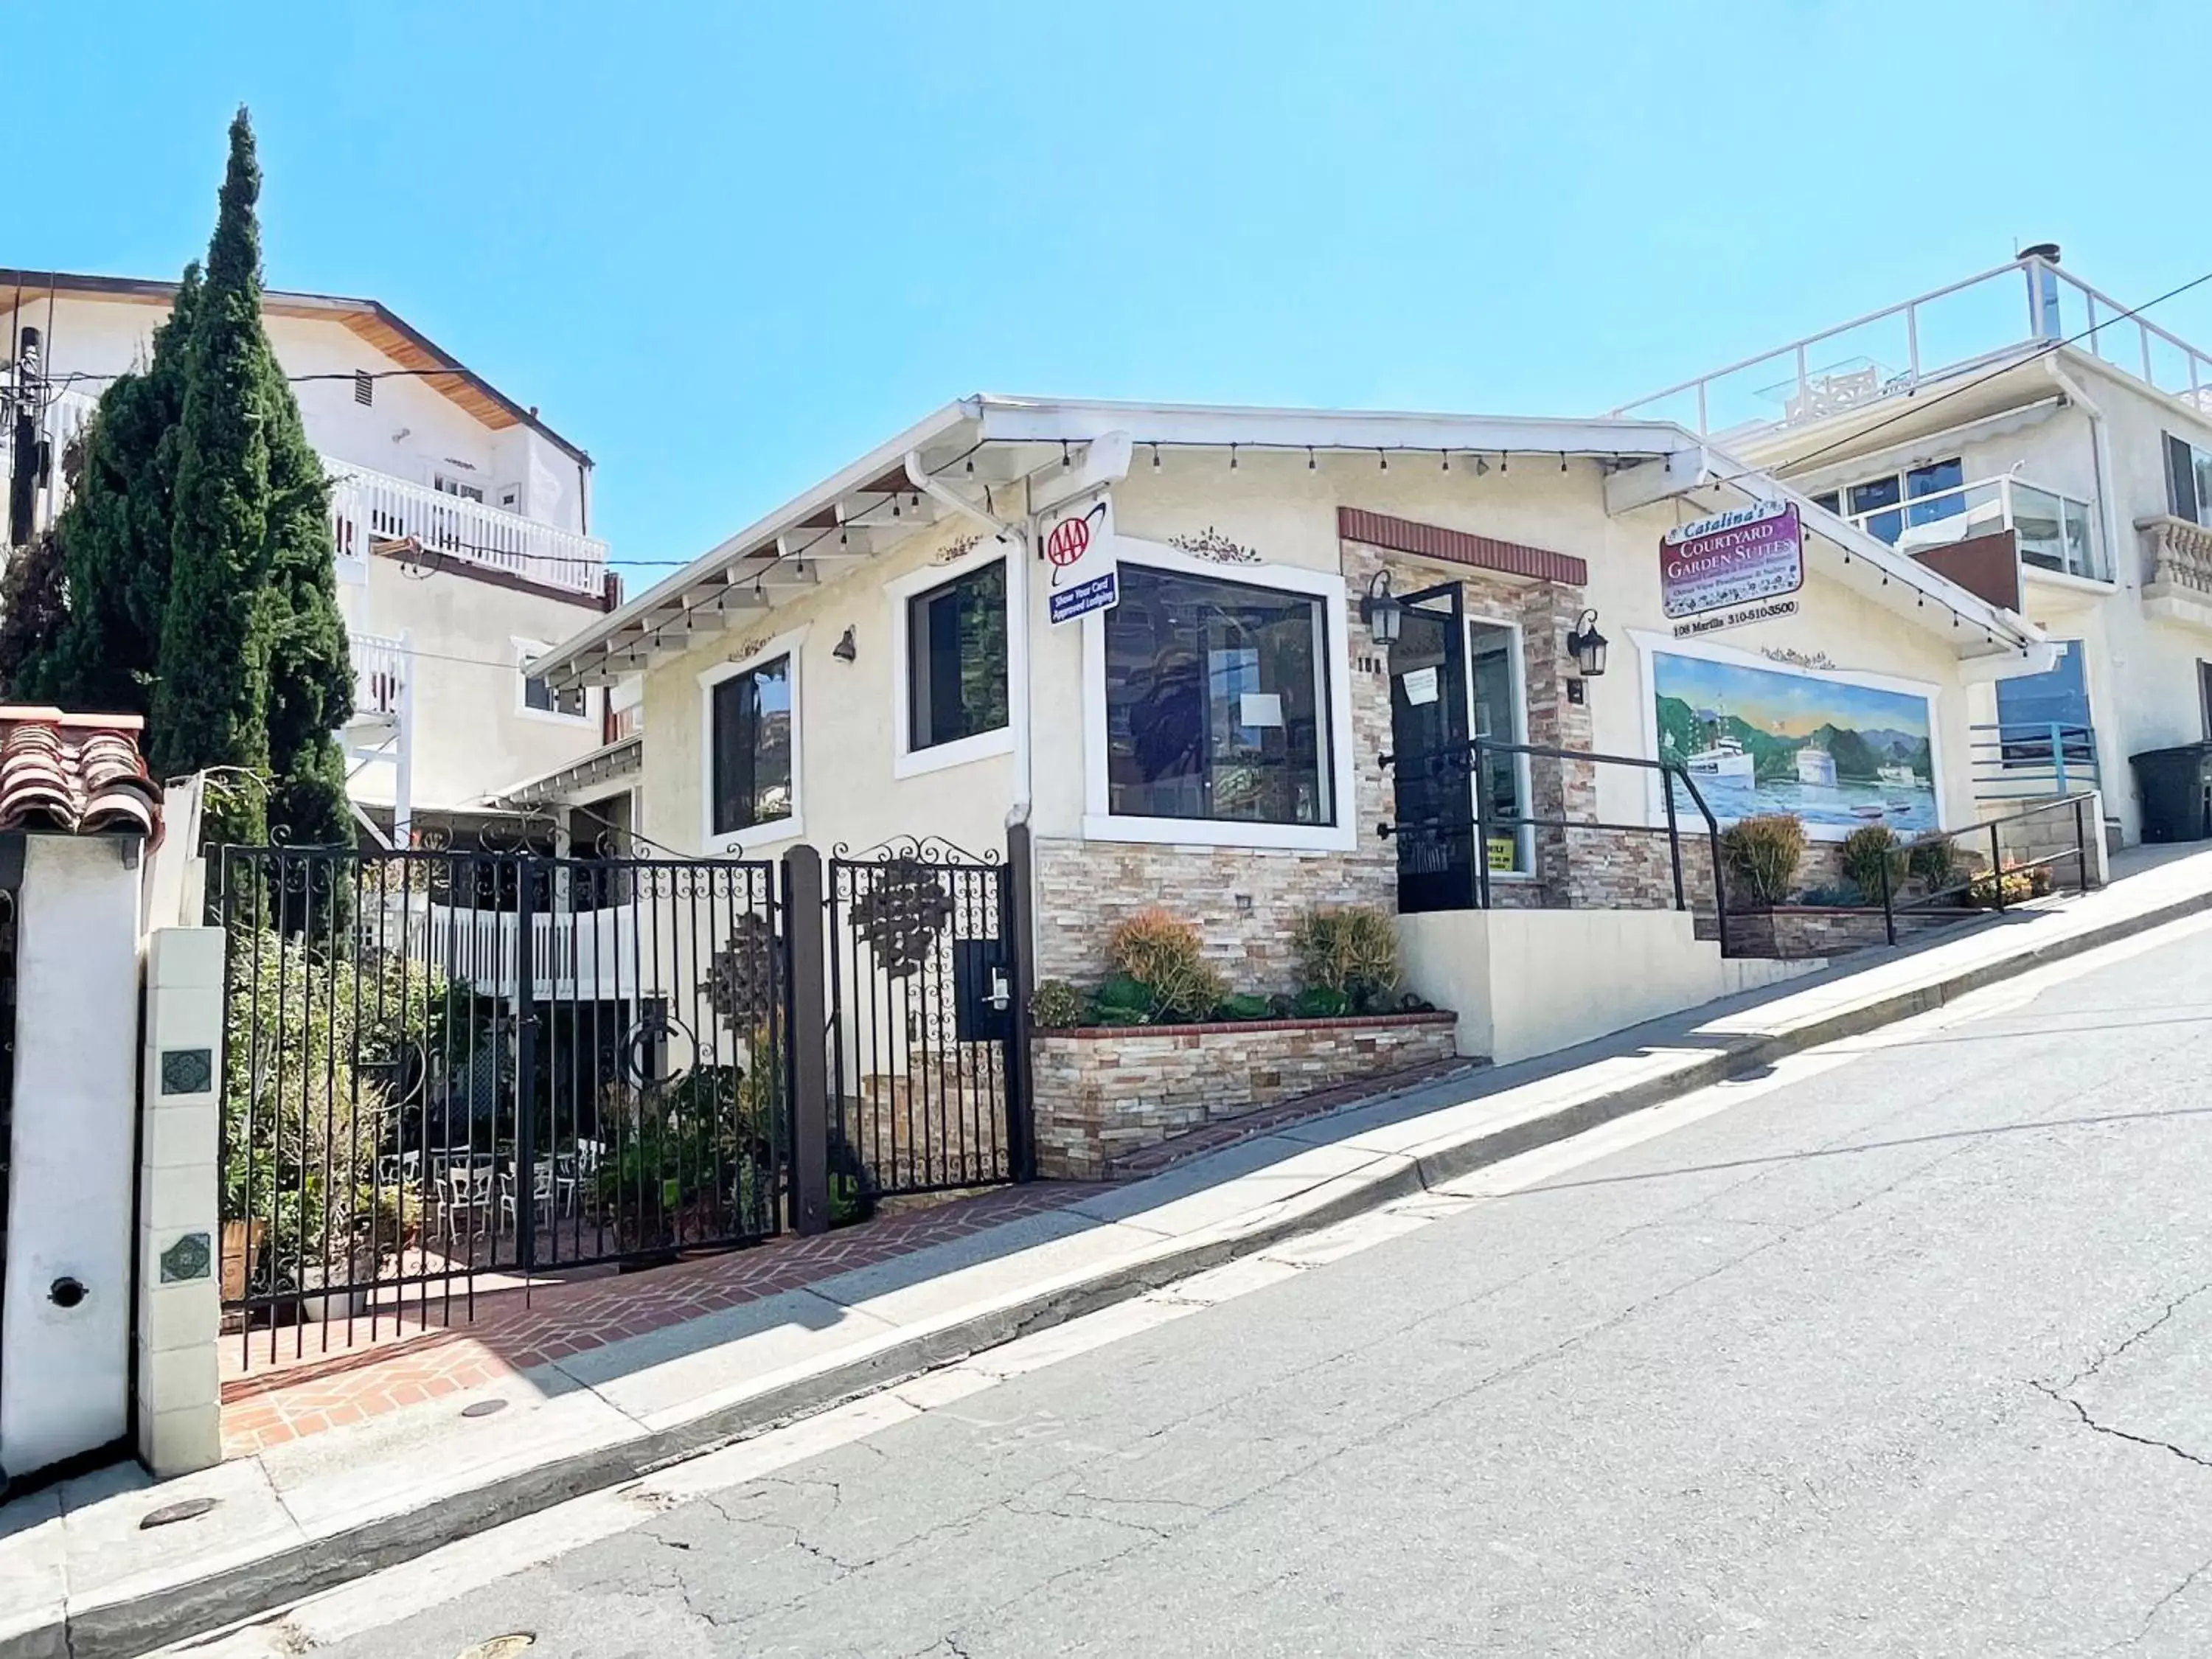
x=462 y=520
x=1236 y=739
x=2021 y=431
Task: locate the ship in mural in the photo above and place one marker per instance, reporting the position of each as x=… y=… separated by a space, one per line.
x=1757 y=739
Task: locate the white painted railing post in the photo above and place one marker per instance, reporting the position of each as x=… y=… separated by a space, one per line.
x=403 y=785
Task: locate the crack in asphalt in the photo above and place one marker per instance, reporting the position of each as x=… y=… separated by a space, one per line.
x=2089 y=1422
x=2129 y=1341
x=2150 y=1616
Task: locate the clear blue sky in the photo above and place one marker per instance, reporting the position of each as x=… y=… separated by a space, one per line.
x=727 y=247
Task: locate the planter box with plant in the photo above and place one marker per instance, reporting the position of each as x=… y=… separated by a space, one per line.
x=1161 y=1047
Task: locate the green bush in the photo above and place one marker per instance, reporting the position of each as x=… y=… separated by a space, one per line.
x=1164 y=954
x=1934 y=863
x=1122 y=1002
x=1056 y=1004
x=1763 y=851
x=1241 y=1006
x=1871 y=853
x=1353 y=951
x=1319 y=1002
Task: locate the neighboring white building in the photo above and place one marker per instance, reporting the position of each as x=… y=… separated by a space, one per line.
x=463 y=524
x=2021 y=432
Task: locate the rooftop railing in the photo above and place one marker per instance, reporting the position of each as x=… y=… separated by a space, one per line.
x=2010 y=311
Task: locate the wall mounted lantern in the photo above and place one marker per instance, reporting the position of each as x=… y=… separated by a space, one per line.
x=1382 y=611
x=1587 y=644
x=845 y=650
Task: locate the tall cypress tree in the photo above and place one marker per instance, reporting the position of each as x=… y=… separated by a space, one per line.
x=310 y=667
x=253 y=671
x=114 y=534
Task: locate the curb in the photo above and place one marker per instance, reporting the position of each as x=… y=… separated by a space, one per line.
x=132 y=1625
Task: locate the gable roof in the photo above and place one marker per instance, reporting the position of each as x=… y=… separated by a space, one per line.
x=370 y=319
x=849 y=517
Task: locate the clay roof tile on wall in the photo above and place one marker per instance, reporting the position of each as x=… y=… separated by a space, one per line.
x=78 y=774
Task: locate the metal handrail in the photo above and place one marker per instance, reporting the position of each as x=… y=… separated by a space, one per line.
x=1481 y=821
x=1999 y=869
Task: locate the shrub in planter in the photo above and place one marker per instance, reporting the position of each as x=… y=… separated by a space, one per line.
x=1320 y=1002
x=1122 y=1002
x=1353 y=951
x=1934 y=863
x=1056 y=1004
x=1762 y=853
x=1162 y=954
x=1241 y=1006
x=2017 y=886
x=1867 y=854
x=1845 y=895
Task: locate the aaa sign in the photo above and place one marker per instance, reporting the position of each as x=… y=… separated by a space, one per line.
x=1078 y=544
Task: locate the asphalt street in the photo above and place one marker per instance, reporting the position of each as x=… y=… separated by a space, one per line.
x=1909 y=1353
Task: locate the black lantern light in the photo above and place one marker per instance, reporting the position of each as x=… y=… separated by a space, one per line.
x=1588 y=645
x=1382 y=611
x=847 y=648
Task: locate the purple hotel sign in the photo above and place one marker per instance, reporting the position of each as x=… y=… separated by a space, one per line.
x=1756 y=552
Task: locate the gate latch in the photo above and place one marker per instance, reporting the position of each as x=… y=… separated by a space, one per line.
x=1001 y=992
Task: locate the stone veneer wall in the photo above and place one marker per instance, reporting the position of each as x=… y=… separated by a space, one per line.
x=1245 y=902
x=1102 y=1093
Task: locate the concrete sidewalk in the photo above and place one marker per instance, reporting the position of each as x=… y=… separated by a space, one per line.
x=83 y=1573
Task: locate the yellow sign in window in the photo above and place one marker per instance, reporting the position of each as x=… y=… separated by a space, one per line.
x=1502 y=851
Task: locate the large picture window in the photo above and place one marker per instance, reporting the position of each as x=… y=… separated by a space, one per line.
x=1215 y=702
x=956 y=659
x=750 y=746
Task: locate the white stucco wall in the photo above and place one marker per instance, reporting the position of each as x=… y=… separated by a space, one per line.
x=847 y=790
x=63 y=1373
x=472 y=734
x=1528 y=982
x=410 y=430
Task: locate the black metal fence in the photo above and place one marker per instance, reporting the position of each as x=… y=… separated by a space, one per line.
x=441 y=1066
x=927 y=1091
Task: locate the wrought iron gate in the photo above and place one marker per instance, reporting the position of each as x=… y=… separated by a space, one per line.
x=443 y=1065
x=927 y=1092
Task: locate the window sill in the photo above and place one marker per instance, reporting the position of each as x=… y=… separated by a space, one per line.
x=940 y=756
x=547 y=717
x=1219 y=832
x=748 y=842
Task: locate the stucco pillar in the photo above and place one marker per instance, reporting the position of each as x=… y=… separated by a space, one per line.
x=179 y=1410
x=65 y=1324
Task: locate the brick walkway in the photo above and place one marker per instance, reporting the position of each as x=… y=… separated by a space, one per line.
x=402 y=1360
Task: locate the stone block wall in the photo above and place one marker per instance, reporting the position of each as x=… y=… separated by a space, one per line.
x=1103 y=1093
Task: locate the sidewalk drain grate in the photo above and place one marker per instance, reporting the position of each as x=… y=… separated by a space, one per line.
x=485 y=1408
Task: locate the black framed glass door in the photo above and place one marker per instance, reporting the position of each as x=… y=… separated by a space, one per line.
x=1434 y=808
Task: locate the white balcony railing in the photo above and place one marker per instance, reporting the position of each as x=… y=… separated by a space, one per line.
x=380 y=674
x=2054 y=531
x=2003 y=312
x=2179 y=554
x=581 y=951
x=369 y=507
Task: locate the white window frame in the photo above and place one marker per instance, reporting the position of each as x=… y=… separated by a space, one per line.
x=1524 y=836
x=1327 y=586
x=776 y=831
x=524 y=651
x=907 y=761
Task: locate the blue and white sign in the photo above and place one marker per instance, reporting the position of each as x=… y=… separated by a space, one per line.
x=1086 y=569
